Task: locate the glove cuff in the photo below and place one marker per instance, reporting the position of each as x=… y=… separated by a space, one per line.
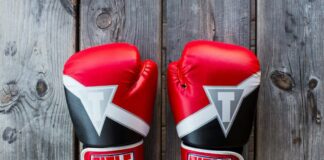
x=191 y=153
x=129 y=152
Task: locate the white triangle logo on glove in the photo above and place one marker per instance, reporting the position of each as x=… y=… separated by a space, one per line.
x=224 y=103
x=227 y=101
x=97 y=101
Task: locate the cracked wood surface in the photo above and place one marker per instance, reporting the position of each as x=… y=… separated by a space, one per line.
x=36 y=37
x=290 y=47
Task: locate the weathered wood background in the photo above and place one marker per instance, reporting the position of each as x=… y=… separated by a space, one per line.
x=37 y=36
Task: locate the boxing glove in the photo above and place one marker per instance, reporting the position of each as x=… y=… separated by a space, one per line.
x=213 y=92
x=110 y=94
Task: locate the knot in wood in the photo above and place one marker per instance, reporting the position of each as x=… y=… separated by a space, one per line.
x=282 y=80
x=103 y=20
x=11 y=49
x=9 y=135
x=41 y=88
x=9 y=95
x=312 y=83
x=297 y=140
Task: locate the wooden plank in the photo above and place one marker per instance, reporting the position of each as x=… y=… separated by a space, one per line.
x=36 y=37
x=163 y=80
x=221 y=20
x=248 y=151
x=290 y=45
x=134 y=21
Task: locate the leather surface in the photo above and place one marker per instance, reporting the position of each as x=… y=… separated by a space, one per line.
x=117 y=65
x=210 y=136
x=207 y=63
x=113 y=133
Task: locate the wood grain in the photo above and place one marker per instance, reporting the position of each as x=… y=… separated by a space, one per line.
x=221 y=20
x=36 y=37
x=249 y=148
x=290 y=47
x=134 y=21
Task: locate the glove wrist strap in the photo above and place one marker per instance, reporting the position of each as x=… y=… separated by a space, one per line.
x=191 y=153
x=129 y=152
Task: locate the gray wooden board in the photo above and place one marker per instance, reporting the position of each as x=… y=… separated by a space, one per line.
x=134 y=21
x=248 y=151
x=36 y=37
x=221 y=20
x=290 y=45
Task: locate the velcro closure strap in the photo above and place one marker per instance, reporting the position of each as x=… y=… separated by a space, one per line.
x=129 y=152
x=191 y=153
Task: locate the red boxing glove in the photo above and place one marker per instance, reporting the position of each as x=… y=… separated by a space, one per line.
x=213 y=93
x=110 y=94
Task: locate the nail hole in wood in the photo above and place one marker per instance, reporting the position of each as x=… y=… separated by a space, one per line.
x=41 y=88
x=103 y=20
x=282 y=80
